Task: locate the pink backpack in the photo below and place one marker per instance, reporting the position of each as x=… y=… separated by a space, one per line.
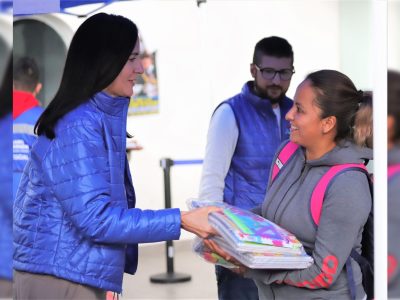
x=393 y=170
x=365 y=260
x=317 y=197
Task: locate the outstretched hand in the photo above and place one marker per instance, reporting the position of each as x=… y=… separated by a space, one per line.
x=196 y=221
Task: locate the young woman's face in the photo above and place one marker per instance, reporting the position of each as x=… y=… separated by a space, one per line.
x=306 y=125
x=122 y=86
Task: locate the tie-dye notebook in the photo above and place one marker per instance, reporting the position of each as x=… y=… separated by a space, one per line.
x=247 y=231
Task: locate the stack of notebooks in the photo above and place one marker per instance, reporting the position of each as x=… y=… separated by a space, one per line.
x=253 y=240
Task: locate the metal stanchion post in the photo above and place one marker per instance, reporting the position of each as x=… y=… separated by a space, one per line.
x=170 y=276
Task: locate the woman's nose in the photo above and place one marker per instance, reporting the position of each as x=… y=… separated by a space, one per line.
x=289 y=114
x=139 y=67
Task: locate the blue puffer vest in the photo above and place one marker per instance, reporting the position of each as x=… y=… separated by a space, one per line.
x=6 y=200
x=259 y=138
x=71 y=216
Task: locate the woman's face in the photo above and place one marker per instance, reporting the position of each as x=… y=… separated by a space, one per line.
x=306 y=125
x=122 y=86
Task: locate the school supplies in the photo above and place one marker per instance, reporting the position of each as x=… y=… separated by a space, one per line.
x=253 y=240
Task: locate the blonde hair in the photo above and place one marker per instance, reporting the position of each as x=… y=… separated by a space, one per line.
x=363 y=123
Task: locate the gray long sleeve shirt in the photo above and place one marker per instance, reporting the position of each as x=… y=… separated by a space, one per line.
x=345 y=210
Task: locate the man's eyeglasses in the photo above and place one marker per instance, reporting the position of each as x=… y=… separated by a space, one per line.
x=269 y=73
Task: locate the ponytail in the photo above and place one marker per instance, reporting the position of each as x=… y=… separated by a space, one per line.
x=363 y=129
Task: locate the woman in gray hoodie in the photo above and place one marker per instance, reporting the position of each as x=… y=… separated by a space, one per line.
x=394 y=184
x=322 y=122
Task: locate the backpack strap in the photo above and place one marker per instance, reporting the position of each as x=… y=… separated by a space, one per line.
x=317 y=197
x=393 y=170
x=350 y=279
x=283 y=156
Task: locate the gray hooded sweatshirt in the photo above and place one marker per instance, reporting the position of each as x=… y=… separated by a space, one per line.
x=345 y=210
x=394 y=225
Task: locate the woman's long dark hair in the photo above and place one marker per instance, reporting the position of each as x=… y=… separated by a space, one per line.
x=99 y=50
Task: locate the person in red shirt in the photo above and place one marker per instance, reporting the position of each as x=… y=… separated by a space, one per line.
x=26 y=111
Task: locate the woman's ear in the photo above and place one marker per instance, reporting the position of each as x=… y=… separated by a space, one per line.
x=328 y=124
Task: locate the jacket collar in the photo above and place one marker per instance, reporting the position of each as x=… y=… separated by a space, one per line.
x=110 y=105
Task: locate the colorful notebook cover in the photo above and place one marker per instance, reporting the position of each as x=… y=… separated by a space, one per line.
x=243 y=228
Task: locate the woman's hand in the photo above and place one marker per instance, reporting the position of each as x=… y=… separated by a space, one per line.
x=196 y=221
x=213 y=246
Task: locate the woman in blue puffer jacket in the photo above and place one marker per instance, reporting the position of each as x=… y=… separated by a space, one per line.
x=6 y=180
x=75 y=226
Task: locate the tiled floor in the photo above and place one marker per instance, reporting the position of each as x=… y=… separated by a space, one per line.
x=152 y=260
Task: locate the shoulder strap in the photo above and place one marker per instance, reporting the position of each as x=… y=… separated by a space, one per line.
x=393 y=170
x=317 y=197
x=283 y=156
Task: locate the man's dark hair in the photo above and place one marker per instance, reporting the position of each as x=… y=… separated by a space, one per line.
x=26 y=74
x=272 y=46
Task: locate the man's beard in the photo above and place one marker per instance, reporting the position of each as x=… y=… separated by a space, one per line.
x=265 y=93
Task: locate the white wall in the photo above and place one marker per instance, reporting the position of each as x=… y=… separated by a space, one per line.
x=394 y=34
x=6 y=42
x=356 y=50
x=203 y=57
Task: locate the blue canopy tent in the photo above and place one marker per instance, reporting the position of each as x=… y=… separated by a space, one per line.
x=28 y=7
x=5 y=5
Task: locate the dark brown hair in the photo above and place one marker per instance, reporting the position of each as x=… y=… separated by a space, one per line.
x=337 y=96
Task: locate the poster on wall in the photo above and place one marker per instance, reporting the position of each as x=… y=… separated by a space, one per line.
x=145 y=90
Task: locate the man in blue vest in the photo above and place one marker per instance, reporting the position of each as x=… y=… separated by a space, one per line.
x=244 y=133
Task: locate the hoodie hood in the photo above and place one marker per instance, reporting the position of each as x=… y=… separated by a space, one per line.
x=344 y=153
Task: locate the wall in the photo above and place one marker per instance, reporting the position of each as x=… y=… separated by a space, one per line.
x=394 y=34
x=203 y=57
x=355 y=41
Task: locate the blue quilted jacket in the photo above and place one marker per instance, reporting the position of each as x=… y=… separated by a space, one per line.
x=6 y=199
x=73 y=212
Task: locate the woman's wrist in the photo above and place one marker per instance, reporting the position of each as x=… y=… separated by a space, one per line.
x=183 y=218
